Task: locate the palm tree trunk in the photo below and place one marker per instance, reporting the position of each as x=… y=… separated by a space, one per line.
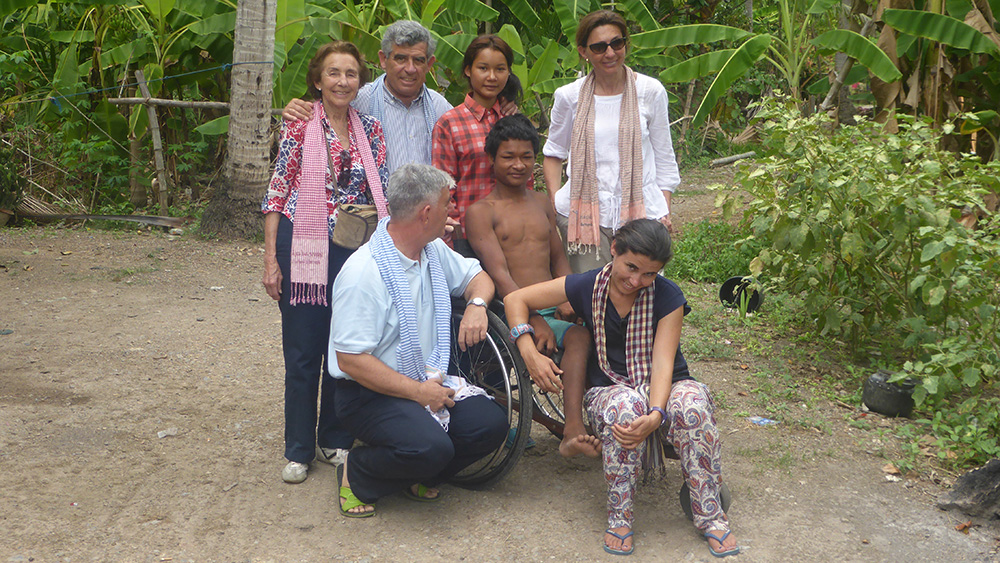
x=235 y=207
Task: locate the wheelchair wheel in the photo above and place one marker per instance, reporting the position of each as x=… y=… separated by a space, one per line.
x=495 y=365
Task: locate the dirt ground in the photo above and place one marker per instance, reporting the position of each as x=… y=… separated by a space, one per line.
x=111 y=337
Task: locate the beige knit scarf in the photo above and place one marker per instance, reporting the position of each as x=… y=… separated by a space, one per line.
x=584 y=230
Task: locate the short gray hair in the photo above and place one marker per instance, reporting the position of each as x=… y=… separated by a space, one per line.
x=407 y=33
x=414 y=185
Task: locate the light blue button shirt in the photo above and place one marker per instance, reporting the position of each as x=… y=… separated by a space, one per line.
x=406 y=136
x=364 y=319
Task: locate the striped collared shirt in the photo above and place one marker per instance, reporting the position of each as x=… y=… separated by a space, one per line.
x=406 y=134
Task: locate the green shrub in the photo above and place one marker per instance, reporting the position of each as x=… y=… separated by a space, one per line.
x=712 y=251
x=864 y=225
x=11 y=180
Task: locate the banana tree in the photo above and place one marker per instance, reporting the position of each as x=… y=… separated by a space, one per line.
x=950 y=57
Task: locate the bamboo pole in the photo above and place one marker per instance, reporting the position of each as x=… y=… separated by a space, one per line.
x=154 y=131
x=177 y=104
x=731 y=159
x=170 y=103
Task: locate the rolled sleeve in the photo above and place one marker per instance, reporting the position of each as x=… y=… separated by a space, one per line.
x=561 y=122
x=458 y=270
x=667 y=175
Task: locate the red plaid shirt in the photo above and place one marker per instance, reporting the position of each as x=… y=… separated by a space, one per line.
x=459 y=149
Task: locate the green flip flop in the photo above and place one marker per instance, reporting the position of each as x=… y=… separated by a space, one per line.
x=350 y=501
x=421 y=495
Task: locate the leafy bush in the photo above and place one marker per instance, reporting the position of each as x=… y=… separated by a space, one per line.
x=864 y=224
x=11 y=180
x=730 y=256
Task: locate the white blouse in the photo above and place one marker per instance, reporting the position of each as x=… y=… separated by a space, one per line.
x=659 y=166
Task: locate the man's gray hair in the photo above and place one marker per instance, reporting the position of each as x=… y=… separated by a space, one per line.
x=414 y=185
x=407 y=33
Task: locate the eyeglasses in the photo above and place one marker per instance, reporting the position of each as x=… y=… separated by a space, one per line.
x=344 y=178
x=617 y=44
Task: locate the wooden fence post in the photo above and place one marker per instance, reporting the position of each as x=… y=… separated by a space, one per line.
x=154 y=130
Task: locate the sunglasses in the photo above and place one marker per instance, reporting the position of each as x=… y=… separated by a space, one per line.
x=617 y=44
x=344 y=178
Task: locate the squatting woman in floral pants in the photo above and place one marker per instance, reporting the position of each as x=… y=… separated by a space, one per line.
x=641 y=394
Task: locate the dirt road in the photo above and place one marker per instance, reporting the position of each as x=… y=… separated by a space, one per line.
x=119 y=337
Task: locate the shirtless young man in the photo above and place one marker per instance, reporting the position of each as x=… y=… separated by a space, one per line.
x=513 y=231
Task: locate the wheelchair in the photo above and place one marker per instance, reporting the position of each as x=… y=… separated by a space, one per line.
x=495 y=365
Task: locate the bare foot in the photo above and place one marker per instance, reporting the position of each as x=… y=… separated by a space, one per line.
x=584 y=444
x=728 y=541
x=620 y=540
x=344 y=484
x=430 y=493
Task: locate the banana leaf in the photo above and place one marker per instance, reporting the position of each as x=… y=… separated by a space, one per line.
x=860 y=49
x=524 y=13
x=638 y=10
x=738 y=64
x=695 y=34
x=11 y=6
x=942 y=29
x=290 y=21
x=696 y=67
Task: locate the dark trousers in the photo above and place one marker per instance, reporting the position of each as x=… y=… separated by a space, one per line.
x=405 y=445
x=305 y=339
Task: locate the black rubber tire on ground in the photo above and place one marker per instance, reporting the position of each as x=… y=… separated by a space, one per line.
x=889 y=399
x=725 y=497
x=495 y=365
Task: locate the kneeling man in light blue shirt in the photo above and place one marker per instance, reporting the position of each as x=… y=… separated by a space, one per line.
x=390 y=334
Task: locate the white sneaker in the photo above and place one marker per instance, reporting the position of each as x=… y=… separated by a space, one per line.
x=295 y=472
x=333 y=456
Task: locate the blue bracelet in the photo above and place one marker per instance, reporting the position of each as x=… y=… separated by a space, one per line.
x=663 y=414
x=519 y=330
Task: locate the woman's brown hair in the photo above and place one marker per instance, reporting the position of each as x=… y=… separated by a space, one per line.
x=316 y=64
x=594 y=20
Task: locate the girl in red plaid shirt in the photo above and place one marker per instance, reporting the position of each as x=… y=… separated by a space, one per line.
x=460 y=134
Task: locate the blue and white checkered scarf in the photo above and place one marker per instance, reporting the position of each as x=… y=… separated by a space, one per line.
x=409 y=356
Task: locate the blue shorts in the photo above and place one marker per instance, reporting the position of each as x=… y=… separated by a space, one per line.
x=559 y=327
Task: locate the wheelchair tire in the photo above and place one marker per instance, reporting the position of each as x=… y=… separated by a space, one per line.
x=495 y=365
x=725 y=497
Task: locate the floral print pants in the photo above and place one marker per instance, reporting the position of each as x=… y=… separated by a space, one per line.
x=690 y=428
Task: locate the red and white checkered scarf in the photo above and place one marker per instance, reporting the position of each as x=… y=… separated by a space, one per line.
x=638 y=353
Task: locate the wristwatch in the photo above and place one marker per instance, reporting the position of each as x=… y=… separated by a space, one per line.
x=663 y=415
x=477 y=301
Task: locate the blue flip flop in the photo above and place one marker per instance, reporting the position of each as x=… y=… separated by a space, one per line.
x=614 y=551
x=732 y=551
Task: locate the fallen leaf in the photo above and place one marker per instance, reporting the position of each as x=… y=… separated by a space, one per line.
x=866 y=542
x=743 y=394
x=66 y=252
x=744 y=366
x=964 y=527
x=28 y=268
x=890 y=469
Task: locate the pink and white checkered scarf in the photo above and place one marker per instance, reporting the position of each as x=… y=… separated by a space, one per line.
x=310 y=230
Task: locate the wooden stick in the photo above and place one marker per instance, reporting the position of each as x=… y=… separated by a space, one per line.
x=732 y=159
x=154 y=131
x=177 y=104
x=169 y=103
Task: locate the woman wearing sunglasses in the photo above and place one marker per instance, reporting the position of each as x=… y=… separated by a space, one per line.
x=613 y=127
x=335 y=158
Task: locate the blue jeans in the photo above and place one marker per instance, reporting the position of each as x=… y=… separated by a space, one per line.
x=305 y=339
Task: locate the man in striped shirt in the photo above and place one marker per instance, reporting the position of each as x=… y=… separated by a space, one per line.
x=399 y=99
